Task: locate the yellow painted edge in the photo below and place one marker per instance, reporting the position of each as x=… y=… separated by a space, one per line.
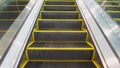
x=61 y=19
x=24 y=64
x=44 y=48
x=96 y=64
x=90 y=44
x=113 y=11
x=60 y=31
x=26 y=54
x=116 y=18
x=33 y=35
x=59 y=60
x=30 y=44
x=110 y=6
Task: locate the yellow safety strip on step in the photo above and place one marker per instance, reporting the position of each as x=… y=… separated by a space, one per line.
x=113 y=11
x=30 y=43
x=60 y=19
x=79 y=31
x=96 y=64
x=111 y=6
x=87 y=36
x=45 y=48
x=33 y=35
x=24 y=64
x=116 y=18
x=26 y=54
x=94 y=55
x=90 y=44
x=59 y=60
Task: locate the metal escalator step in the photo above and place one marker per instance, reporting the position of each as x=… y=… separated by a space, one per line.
x=60 y=44
x=60 y=24
x=60 y=35
x=82 y=54
x=114 y=14
x=111 y=8
x=5 y=24
x=60 y=15
x=8 y=15
x=59 y=3
x=1 y=34
x=60 y=65
x=108 y=3
x=59 y=8
x=16 y=3
x=11 y=8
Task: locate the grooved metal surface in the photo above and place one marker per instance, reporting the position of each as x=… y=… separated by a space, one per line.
x=4 y=25
x=59 y=3
x=114 y=14
x=60 y=25
x=60 y=36
x=8 y=15
x=60 y=44
x=11 y=8
x=60 y=54
x=59 y=15
x=59 y=8
x=60 y=65
x=1 y=34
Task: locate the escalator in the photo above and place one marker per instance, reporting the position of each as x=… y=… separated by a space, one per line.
x=9 y=11
x=60 y=39
x=112 y=7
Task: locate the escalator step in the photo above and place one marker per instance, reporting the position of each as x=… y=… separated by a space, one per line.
x=108 y=8
x=59 y=24
x=5 y=24
x=37 y=54
x=17 y=3
x=114 y=14
x=8 y=15
x=108 y=3
x=60 y=44
x=11 y=8
x=60 y=36
x=1 y=34
x=59 y=8
x=60 y=15
x=59 y=3
x=60 y=65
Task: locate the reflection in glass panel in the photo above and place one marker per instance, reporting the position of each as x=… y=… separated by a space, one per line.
x=112 y=7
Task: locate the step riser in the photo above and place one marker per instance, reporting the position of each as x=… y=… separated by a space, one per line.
x=112 y=8
x=11 y=8
x=59 y=3
x=7 y=15
x=18 y=3
x=59 y=15
x=60 y=36
x=4 y=25
x=59 y=8
x=114 y=15
x=60 y=55
x=1 y=34
x=60 y=25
